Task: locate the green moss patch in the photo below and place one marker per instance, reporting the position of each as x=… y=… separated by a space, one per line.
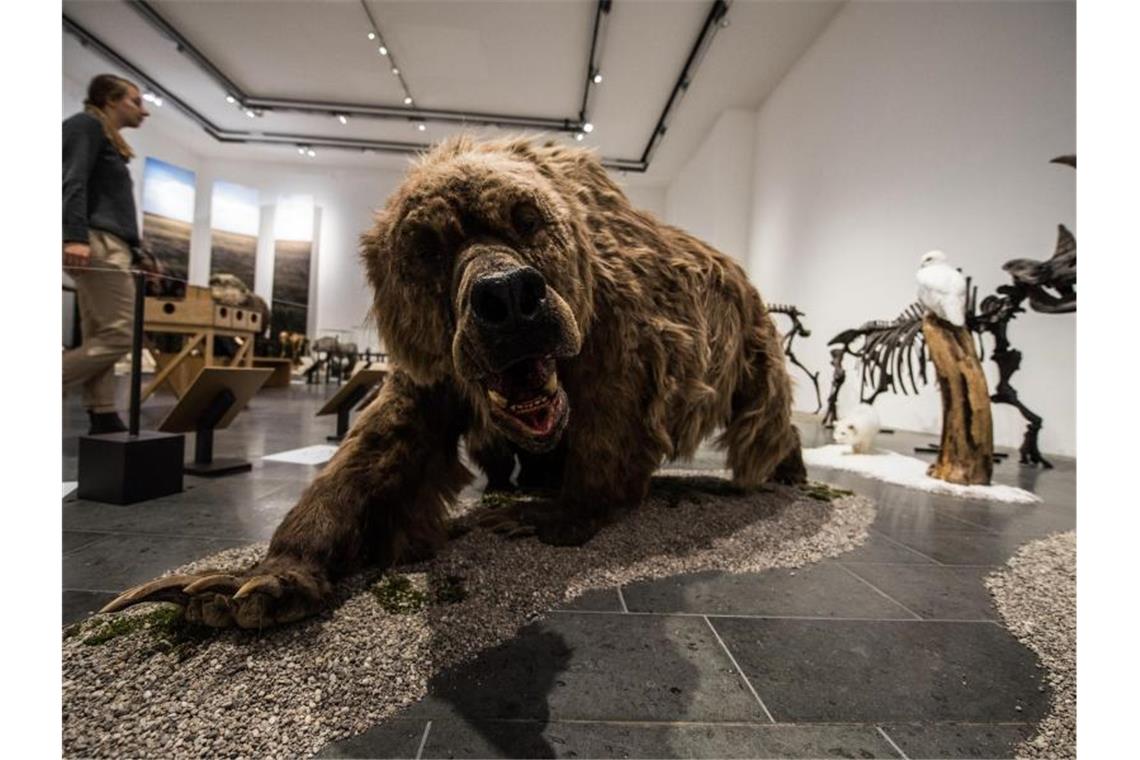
x=497 y=499
x=168 y=631
x=400 y=595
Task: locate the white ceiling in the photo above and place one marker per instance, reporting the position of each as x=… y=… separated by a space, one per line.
x=513 y=57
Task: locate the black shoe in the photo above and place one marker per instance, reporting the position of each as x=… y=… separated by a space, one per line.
x=105 y=422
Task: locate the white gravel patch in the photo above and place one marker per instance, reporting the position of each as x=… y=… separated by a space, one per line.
x=1036 y=594
x=908 y=471
x=314 y=455
x=287 y=692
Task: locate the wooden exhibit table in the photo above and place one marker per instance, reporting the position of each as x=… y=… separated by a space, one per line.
x=360 y=389
x=199 y=320
x=282 y=367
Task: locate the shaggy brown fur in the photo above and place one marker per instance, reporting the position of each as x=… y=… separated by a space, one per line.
x=523 y=302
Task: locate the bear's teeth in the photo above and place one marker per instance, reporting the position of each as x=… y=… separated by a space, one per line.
x=551 y=383
x=497 y=398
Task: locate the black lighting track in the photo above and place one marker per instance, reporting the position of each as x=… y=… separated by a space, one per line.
x=712 y=23
x=249 y=101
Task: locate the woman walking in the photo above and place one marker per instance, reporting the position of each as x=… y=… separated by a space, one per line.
x=100 y=227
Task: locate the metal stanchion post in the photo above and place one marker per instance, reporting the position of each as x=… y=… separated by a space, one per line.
x=136 y=355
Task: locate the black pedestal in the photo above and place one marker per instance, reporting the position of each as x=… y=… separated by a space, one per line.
x=349 y=401
x=119 y=468
x=217 y=467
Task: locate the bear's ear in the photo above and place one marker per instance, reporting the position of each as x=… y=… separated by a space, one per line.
x=376 y=242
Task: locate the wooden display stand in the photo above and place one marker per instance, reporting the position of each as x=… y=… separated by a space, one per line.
x=349 y=395
x=200 y=319
x=211 y=402
x=966 y=453
x=282 y=370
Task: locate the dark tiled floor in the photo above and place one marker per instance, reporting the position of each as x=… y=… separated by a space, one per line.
x=890 y=650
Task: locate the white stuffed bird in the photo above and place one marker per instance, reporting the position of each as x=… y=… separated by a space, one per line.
x=942 y=288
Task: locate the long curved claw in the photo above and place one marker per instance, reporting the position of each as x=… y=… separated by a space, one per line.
x=169 y=589
x=274 y=593
x=264 y=584
x=221 y=584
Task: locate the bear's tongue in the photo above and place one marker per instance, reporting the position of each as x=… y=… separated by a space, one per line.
x=525 y=391
x=523 y=381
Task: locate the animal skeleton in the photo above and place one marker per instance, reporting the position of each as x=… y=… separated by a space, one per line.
x=889 y=347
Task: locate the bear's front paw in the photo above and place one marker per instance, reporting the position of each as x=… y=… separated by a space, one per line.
x=277 y=591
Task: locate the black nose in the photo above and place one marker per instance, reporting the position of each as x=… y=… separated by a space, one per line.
x=507 y=300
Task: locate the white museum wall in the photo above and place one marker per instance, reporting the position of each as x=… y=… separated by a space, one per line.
x=649 y=198
x=907 y=127
x=711 y=196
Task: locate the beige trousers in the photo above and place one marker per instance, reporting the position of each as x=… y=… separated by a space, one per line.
x=106 y=311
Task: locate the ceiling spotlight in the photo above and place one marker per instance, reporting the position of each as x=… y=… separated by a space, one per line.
x=408 y=100
x=300 y=150
x=587 y=127
x=158 y=101
x=421 y=127
x=579 y=136
x=231 y=99
x=249 y=112
x=342 y=118
x=311 y=153
x=372 y=35
x=395 y=71
x=598 y=78
x=383 y=50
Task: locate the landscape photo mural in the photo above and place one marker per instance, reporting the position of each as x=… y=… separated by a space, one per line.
x=168 y=217
x=234 y=220
x=292 y=255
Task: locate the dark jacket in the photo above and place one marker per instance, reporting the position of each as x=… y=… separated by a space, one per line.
x=96 y=184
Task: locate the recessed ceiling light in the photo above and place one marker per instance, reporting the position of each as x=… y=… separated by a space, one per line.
x=372 y=35
x=311 y=153
x=383 y=50
x=598 y=78
x=300 y=150
x=395 y=71
x=231 y=99
x=579 y=136
x=249 y=112
x=587 y=127
x=421 y=127
x=342 y=118
x=408 y=100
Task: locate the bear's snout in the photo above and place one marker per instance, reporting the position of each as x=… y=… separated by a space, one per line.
x=505 y=302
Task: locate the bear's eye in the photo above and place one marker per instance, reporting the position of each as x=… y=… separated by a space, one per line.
x=527 y=219
x=421 y=241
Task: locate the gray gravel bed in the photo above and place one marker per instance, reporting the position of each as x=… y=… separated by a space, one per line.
x=1036 y=594
x=287 y=692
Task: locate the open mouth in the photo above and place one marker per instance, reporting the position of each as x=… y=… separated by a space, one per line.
x=527 y=399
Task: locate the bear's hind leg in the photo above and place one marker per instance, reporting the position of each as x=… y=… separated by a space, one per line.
x=762 y=443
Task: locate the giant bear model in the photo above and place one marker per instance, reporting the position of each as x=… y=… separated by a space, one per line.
x=522 y=301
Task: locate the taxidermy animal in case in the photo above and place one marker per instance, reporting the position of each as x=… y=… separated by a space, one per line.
x=859 y=429
x=522 y=299
x=942 y=288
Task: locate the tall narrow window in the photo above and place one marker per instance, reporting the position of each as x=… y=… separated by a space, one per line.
x=168 y=218
x=234 y=219
x=293 y=251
